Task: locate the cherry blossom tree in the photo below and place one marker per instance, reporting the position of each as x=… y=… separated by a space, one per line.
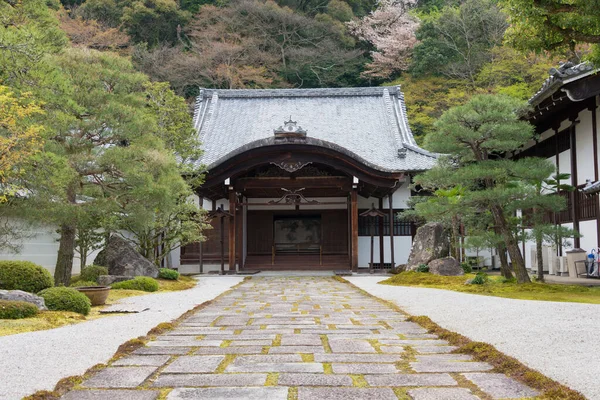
x=390 y=29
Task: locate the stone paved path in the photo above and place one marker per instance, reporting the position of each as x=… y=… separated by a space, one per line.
x=297 y=338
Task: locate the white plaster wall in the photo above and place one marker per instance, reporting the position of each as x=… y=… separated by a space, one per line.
x=585 y=147
x=564 y=161
x=399 y=198
x=589 y=239
x=402 y=245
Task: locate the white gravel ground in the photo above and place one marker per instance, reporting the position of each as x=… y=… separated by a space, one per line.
x=38 y=360
x=561 y=340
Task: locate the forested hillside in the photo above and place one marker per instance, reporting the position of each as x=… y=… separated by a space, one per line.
x=440 y=51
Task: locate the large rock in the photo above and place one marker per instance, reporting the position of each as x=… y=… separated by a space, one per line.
x=122 y=259
x=19 y=295
x=445 y=266
x=431 y=242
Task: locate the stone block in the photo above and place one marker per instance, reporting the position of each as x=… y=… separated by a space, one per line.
x=194 y=364
x=364 y=368
x=410 y=380
x=191 y=380
x=314 y=380
x=230 y=393
x=300 y=340
x=230 y=350
x=296 y=349
x=350 y=346
x=163 y=350
x=500 y=386
x=357 y=358
x=308 y=393
x=443 y=366
x=275 y=367
x=441 y=394
x=274 y=358
x=119 y=377
x=146 y=361
x=111 y=395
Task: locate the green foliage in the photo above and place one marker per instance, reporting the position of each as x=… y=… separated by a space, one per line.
x=422 y=268
x=167 y=273
x=66 y=299
x=154 y=21
x=466 y=267
x=92 y=272
x=480 y=279
x=24 y=275
x=456 y=41
x=554 y=25
x=17 y=309
x=144 y=283
x=29 y=31
x=80 y=283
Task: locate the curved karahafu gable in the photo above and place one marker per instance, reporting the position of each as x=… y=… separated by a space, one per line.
x=367 y=124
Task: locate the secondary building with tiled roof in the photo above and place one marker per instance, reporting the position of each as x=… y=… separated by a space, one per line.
x=565 y=113
x=293 y=169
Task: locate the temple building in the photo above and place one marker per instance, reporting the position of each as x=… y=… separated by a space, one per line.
x=290 y=171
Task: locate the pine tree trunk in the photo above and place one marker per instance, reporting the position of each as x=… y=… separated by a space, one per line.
x=540 y=259
x=66 y=251
x=511 y=245
x=66 y=248
x=504 y=268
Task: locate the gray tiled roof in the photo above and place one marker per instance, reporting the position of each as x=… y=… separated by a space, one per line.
x=370 y=124
x=566 y=73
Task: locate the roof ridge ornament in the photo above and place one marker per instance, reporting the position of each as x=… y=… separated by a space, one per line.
x=290 y=131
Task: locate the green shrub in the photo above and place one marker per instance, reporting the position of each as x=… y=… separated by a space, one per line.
x=92 y=272
x=167 y=273
x=480 y=279
x=144 y=283
x=83 y=283
x=17 y=309
x=24 y=275
x=66 y=299
x=466 y=267
x=422 y=268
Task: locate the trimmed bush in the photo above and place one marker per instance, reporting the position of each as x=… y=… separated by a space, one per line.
x=17 y=309
x=144 y=283
x=66 y=299
x=83 y=283
x=422 y=268
x=92 y=272
x=25 y=276
x=167 y=273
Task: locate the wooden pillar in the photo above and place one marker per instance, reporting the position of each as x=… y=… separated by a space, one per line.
x=574 y=179
x=391 y=206
x=380 y=222
x=239 y=216
x=200 y=258
x=232 y=224
x=354 y=228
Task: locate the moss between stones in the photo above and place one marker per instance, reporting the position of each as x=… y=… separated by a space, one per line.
x=272 y=379
x=292 y=393
x=502 y=363
x=358 y=381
